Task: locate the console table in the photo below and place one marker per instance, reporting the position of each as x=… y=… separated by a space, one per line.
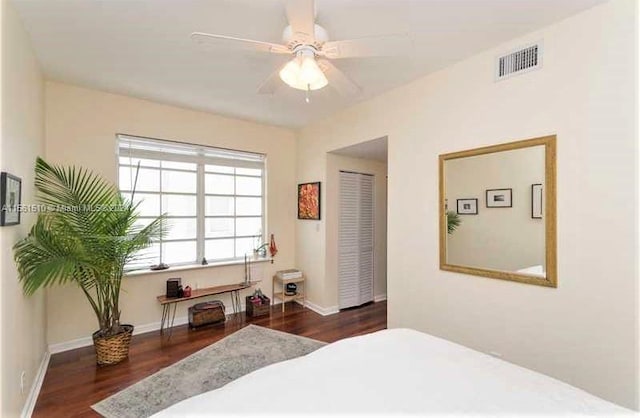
x=167 y=303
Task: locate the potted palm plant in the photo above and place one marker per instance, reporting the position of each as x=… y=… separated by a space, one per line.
x=87 y=236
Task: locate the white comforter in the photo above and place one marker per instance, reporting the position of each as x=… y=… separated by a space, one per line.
x=392 y=372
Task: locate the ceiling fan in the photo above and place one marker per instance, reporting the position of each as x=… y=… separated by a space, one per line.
x=308 y=43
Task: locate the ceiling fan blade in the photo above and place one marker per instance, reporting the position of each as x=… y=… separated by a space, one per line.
x=339 y=80
x=375 y=46
x=238 y=43
x=302 y=17
x=271 y=84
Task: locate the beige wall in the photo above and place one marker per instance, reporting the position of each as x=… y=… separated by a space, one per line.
x=22 y=329
x=336 y=163
x=585 y=331
x=81 y=125
x=496 y=238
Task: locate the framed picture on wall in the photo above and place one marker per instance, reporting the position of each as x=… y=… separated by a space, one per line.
x=536 y=201
x=499 y=198
x=467 y=206
x=309 y=201
x=10 y=199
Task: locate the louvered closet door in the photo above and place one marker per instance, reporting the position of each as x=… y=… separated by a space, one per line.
x=355 y=240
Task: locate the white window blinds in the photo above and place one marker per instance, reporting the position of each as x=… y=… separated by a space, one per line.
x=213 y=198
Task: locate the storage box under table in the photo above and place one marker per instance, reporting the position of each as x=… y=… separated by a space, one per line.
x=257 y=310
x=206 y=313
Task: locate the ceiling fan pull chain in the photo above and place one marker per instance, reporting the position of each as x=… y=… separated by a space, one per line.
x=308 y=98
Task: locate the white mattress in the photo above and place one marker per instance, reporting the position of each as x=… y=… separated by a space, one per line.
x=391 y=372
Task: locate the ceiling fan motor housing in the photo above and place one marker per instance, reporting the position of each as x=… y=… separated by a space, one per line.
x=295 y=40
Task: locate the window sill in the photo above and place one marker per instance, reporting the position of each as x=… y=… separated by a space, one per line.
x=198 y=266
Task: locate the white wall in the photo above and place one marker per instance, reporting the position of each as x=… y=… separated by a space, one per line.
x=496 y=238
x=22 y=329
x=336 y=163
x=585 y=331
x=81 y=128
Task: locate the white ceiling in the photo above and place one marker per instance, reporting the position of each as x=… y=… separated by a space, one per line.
x=376 y=149
x=142 y=47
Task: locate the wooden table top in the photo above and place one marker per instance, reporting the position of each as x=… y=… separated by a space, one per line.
x=207 y=291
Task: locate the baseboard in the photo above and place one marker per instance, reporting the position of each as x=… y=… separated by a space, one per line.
x=380 y=298
x=334 y=309
x=319 y=309
x=88 y=341
x=138 y=329
x=32 y=398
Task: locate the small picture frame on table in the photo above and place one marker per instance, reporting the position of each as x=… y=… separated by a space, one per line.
x=10 y=199
x=467 y=206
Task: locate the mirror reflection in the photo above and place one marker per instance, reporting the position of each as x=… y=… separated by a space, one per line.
x=494 y=211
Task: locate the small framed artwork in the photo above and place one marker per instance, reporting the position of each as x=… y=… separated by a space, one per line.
x=536 y=201
x=499 y=198
x=309 y=201
x=467 y=206
x=10 y=195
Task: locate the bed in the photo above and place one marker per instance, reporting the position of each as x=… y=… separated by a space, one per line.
x=392 y=372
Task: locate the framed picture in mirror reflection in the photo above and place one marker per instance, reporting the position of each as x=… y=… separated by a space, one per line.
x=499 y=198
x=467 y=206
x=536 y=201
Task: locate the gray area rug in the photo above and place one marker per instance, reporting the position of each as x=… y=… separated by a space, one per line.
x=240 y=353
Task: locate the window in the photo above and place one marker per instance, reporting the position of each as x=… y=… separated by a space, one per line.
x=213 y=198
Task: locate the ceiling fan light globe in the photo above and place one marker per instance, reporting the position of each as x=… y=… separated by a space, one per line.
x=290 y=73
x=309 y=71
x=303 y=76
x=319 y=83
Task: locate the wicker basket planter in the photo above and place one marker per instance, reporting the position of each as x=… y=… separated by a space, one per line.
x=112 y=349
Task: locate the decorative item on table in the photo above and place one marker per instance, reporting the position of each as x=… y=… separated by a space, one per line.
x=173 y=285
x=273 y=250
x=499 y=198
x=309 y=201
x=291 y=289
x=10 y=199
x=206 y=313
x=187 y=292
x=247 y=269
x=289 y=274
x=467 y=206
x=257 y=304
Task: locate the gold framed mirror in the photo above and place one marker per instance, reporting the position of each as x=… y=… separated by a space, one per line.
x=498 y=211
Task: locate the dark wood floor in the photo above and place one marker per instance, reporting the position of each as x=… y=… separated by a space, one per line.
x=73 y=381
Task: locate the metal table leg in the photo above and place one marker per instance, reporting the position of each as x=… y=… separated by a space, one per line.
x=173 y=318
x=165 y=317
x=235 y=301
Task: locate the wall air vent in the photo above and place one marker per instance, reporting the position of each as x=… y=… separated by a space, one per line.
x=520 y=61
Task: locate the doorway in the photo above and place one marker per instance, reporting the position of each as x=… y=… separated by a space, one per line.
x=357 y=224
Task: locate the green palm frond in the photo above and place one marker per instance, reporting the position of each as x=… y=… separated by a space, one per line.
x=453 y=221
x=87 y=236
